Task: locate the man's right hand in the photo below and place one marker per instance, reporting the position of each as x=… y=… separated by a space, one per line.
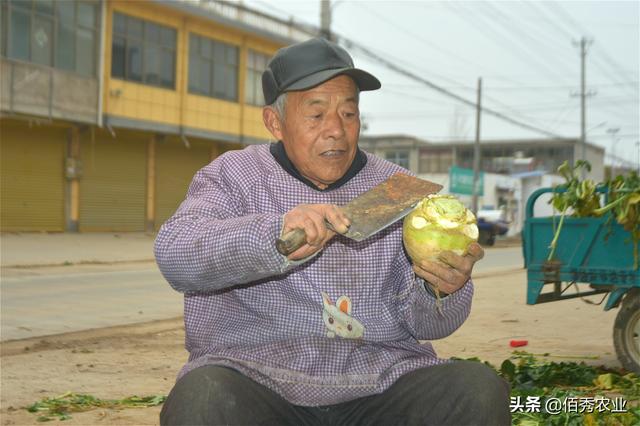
x=310 y=218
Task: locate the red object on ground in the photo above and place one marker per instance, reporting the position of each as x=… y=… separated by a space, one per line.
x=518 y=343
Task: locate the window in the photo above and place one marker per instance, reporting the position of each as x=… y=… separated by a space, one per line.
x=401 y=158
x=435 y=160
x=143 y=51
x=213 y=68
x=256 y=64
x=59 y=33
x=3 y=25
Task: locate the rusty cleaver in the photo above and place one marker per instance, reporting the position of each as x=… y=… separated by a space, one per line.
x=373 y=210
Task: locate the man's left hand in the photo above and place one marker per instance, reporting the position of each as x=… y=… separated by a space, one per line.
x=452 y=272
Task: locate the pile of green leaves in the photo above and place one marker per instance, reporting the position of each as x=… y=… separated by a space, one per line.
x=581 y=196
x=529 y=376
x=61 y=406
x=624 y=196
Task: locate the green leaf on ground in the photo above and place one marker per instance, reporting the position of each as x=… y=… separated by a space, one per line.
x=530 y=377
x=58 y=408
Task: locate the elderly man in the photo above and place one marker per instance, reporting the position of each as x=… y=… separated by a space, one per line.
x=329 y=334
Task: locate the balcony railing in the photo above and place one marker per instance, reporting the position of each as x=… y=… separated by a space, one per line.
x=40 y=91
x=237 y=12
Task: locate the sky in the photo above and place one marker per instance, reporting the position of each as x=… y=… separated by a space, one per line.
x=524 y=51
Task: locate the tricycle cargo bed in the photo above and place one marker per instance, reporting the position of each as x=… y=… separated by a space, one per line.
x=596 y=254
x=592 y=250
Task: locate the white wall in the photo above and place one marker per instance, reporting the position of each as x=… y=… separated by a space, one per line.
x=490 y=198
x=529 y=185
x=595 y=156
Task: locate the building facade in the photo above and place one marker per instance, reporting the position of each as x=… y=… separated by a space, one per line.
x=108 y=108
x=497 y=156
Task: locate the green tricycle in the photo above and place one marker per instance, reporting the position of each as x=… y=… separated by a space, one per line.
x=596 y=252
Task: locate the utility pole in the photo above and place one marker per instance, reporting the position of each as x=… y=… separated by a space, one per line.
x=583 y=98
x=325 y=19
x=476 y=150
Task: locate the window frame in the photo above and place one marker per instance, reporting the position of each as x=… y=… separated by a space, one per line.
x=145 y=46
x=435 y=160
x=197 y=58
x=255 y=73
x=395 y=153
x=6 y=50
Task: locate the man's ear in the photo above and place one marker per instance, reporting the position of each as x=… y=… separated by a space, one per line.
x=272 y=122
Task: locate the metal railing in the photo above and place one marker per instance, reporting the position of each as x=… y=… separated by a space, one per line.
x=42 y=91
x=254 y=18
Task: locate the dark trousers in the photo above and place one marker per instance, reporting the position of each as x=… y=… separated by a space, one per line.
x=458 y=393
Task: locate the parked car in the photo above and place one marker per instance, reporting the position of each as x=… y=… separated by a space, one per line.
x=490 y=224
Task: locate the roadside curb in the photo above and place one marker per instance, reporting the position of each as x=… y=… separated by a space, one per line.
x=64 y=340
x=69 y=263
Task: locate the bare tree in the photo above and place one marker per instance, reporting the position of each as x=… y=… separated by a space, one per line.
x=459 y=126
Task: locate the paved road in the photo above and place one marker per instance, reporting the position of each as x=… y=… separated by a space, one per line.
x=51 y=300
x=498 y=258
x=45 y=301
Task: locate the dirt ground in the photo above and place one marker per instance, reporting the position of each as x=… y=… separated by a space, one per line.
x=143 y=359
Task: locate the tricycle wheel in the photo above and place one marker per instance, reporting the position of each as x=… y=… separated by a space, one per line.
x=626 y=332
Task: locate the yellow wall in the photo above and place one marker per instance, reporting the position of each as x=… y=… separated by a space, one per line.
x=178 y=107
x=140 y=101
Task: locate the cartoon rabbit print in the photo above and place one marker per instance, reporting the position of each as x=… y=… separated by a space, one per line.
x=338 y=318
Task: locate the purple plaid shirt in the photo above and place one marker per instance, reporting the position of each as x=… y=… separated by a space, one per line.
x=248 y=308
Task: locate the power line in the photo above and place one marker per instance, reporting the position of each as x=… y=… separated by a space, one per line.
x=487 y=29
x=544 y=12
x=501 y=39
x=552 y=124
x=414 y=96
x=426 y=113
x=490 y=98
x=626 y=135
x=517 y=88
x=510 y=109
x=421 y=39
x=561 y=11
x=438 y=88
x=405 y=63
x=610 y=62
x=521 y=108
x=381 y=60
x=570 y=107
x=511 y=27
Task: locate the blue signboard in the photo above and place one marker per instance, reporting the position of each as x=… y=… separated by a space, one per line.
x=461 y=181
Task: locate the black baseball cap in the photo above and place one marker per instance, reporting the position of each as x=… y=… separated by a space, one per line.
x=307 y=64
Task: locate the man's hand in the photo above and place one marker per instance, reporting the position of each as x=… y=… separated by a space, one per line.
x=452 y=276
x=310 y=218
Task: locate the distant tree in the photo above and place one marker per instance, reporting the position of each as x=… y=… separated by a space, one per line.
x=459 y=125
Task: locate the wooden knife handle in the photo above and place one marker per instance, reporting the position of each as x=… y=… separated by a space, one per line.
x=291 y=241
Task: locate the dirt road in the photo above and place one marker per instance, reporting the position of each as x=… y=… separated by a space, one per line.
x=144 y=359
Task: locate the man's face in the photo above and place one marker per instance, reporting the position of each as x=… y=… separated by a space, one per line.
x=320 y=130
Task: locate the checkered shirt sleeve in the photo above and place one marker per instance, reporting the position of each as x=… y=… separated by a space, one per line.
x=210 y=243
